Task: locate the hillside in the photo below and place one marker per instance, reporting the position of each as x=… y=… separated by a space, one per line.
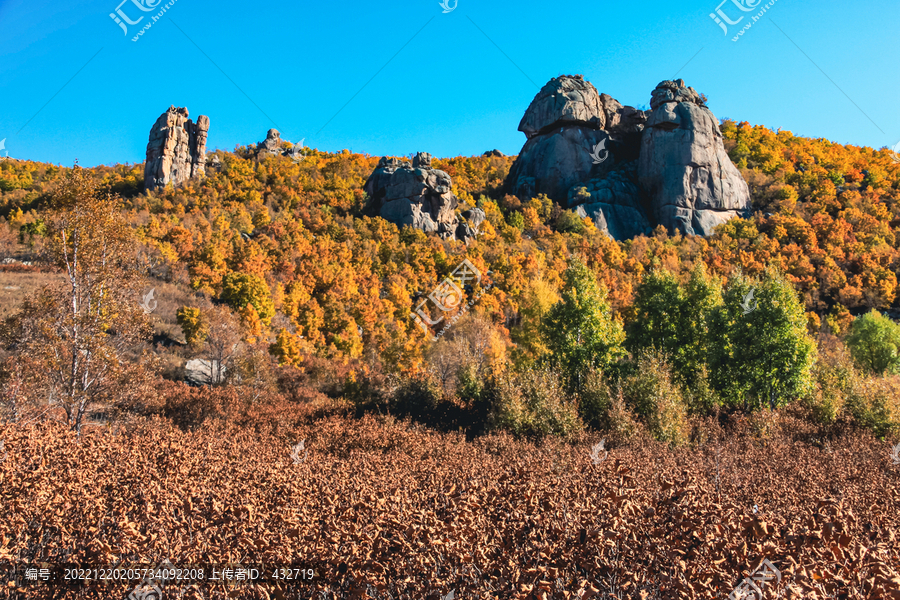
x=827 y=215
x=236 y=371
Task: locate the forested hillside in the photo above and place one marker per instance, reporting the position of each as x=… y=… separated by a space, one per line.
x=287 y=245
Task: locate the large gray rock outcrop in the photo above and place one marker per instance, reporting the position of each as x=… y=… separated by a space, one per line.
x=690 y=181
x=563 y=101
x=416 y=195
x=628 y=169
x=176 y=151
x=574 y=135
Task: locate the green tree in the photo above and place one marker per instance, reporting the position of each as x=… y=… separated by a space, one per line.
x=193 y=326
x=570 y=222
x=580 y=330
x=874 y=342
x=761 y=352
x=675 y=319
x=241 y=289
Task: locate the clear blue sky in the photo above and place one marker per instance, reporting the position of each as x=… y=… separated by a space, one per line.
x=458 y=87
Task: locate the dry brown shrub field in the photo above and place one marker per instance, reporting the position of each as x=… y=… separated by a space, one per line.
x=382 y=508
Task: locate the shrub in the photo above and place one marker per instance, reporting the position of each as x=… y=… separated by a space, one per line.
x=595 y=400
x=834 y=379
x=874 y=341
x=620 y=421
x=699 y=395
x=570 y=222
x=656 y=399
x=193 y=326
x=532 y=403
x=419 y=396
x=875 y=404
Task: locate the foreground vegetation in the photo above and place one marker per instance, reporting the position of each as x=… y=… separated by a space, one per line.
x=386 y=508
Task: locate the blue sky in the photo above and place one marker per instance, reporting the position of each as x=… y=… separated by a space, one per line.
x=402 y=76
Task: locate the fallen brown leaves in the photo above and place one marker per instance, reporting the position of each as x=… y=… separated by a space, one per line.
x=381 y=507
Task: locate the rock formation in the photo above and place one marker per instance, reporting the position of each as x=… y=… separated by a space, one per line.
x=563 y=124
x=628 y=169
x=273 y=145
x=690 y=181
x=176 y=151
x=419 y=196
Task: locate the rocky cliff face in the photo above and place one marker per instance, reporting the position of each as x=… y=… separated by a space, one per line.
x=690 y=181
x=176 y=151
x=628 y=169
x=419 y=196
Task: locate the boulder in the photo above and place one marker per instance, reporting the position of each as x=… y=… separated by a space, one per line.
x=690 y=182
x=199 y=371
x=574 y=135
x=613 y=203
x=565 y=100
x=273 y=145
x=628 y=169
x=493 y=153
x=416 y=195
x=551 y=163
x=176 y=151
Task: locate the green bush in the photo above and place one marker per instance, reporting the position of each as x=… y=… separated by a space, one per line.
x=570 y=222
x=532 y=403
x=874 y=341
x=834 y=380
x=595 y=400
x=419 y=396
x=699 y=396
x=874 y=404
x=656 y=399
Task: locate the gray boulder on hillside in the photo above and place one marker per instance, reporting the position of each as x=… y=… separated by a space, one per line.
x=688 y=177
x=575 y=135
x=416 y=195
x=563 y=101
x=273 y=145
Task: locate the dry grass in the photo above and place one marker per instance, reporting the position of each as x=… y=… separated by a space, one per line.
x=15 y=285
x=391 y=510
